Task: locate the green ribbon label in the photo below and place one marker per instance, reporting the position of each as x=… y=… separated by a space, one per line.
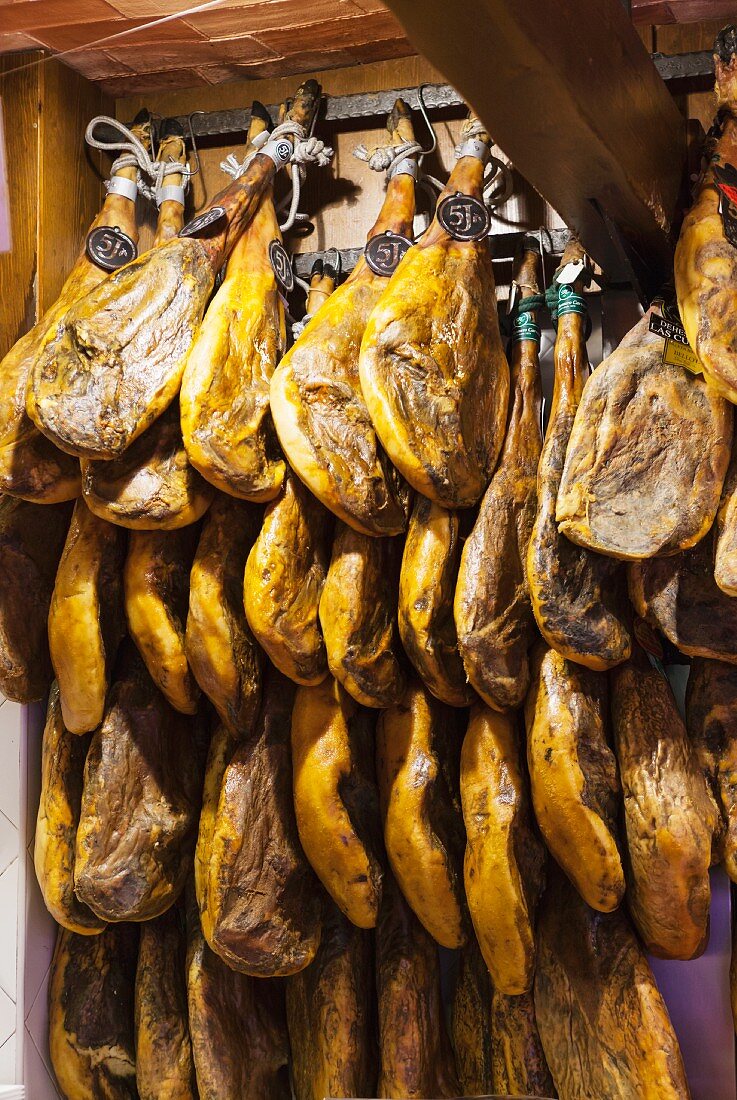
x=524 y=327
x=569 y=301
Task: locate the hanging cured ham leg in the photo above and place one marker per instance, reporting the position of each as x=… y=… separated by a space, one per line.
x=647 y=454
x=416 y=1055
x=595 y=995
x=711 y=717
x=505 y=860
x=30 y=465
x=576 y=793
x=358 y=616
x=227 y=426
x=706 y=254
x=31 y=543
x=116 y=361
x=432 y=366
x=316 y=398
x=86 y=617
x=417 y=753
x=575 y=593
x=330 y=1008
x=470 y=1022
x=429 y=568
x=153 y=485
x=517 y=1056
x=336 y=800
x=91 y=1006
x=669 y=816
x=493 y=614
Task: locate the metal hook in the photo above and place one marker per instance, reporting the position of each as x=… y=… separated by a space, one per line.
x=155 y=142
x=338 y=259
x=195 y=150
x=423 y=109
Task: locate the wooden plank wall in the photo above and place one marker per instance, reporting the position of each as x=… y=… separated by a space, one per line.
x=342 y=201
x=55 y=188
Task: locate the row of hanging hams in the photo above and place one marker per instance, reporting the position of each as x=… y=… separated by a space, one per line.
x=345 y=661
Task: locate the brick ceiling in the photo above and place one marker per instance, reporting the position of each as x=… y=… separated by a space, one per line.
x=234 y=40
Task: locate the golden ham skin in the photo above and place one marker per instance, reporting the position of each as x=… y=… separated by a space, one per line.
x=164 y=1064
x=336 y=801
x=680 y=597
x=330 y=1013
x=140 y=802
x=725 y=534
x=493 y=615
x=358 y=616
x=86 y=617
x=237 y=1026
x=220 y=648
x=284 y=576
x=518 y=1059
x=432 y=367
x=647 y=454
x=31 y=543
x=711 y=720
x=91 y=992
x=426 y=582
x=574 y=593
x=116 y=360
x=221 y=748
x=670 y=817
x=152 y=485
x=705 y=261
x=62 y=770
x=30 y=465
x=156 y=583
x=316 y=396
x=417 y=748
x=604 y=1026
x=504 y=863
x=226 y=422
x=575 y=787
x=264 y=902
x=416 y=1055
x=470 y=1022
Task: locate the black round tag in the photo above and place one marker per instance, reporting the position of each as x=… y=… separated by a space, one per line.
x=282 y=265
x=206 y=220
x=465 y=218
x=110 y=248
x=384 y=252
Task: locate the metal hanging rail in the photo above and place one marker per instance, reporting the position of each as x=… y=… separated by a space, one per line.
x=344 y=108
x=504 y=247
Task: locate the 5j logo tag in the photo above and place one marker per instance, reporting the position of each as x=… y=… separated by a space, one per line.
x=725 y=178
x=282 y=266
x=465 y=218
x=384 y=252
x=110 y=248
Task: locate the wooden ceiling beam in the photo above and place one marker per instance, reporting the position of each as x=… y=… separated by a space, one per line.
x=573 y=98
x=660 y=12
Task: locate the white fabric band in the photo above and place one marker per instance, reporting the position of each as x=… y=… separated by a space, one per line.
x=406 y=167
x=170 y=192
x=120 y=185
x=472 y=147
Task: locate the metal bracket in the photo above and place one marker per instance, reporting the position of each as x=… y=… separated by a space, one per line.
x=504 y=247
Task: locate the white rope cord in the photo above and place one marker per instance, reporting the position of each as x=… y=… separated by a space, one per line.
x=307 y=150
x=386 y=158
x=135 y=155
x=498 y=172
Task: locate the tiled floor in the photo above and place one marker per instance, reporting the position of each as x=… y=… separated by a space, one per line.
x=23 y=973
